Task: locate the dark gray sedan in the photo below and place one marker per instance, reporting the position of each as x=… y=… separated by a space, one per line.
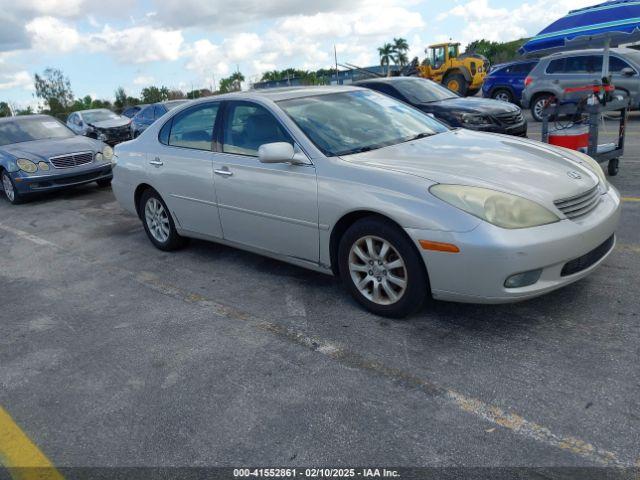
x=39 y=153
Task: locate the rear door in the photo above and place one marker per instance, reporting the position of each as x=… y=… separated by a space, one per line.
x=181 y=169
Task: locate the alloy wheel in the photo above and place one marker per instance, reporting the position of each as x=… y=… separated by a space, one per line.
x=503 y=97
x=538 y=108
x=377 y=270
x=8 y=187
x=157 y=220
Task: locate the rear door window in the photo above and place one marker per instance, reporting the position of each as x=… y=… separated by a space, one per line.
x=193 y=128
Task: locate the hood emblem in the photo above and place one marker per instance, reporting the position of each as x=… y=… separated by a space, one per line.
x=573 y=174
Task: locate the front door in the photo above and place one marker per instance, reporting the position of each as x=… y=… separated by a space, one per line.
x=181 y=169
x=273 y=207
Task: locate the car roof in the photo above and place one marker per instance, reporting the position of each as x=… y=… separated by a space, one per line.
x=590 y=51
x=20 y=117
x=386 y=80
x=280 y=93
x=515 y=62
x=89 y=110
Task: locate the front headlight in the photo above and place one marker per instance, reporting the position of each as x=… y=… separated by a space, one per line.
x=107 y=153
x=26 y=165
x=498 y=208
x=473 y=119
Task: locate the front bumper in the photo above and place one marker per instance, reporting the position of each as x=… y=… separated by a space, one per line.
x=489 y=255
x=56 y=180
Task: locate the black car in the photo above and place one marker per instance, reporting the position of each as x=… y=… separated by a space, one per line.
x=471 y=112
x=150 y=113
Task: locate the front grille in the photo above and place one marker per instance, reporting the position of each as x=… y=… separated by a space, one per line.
x=72 y=159
x=579 y=205
x=511 y=118
x=594 y=256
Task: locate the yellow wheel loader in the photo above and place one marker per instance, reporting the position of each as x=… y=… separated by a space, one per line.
x=461 y=73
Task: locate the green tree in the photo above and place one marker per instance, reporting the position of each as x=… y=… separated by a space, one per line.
x=54 y=88
x=233 y=83
x=400 y=48
x=386 y=56
x=5 y=110
x=496 y=52
x=121 y=98
x=154 y=94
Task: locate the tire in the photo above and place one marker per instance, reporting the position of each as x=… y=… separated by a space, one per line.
x=472 y=92
x=104 y=182
x=502 y=94
x=537 y=105
x=372 y=233
x=613 y=167
x=158 y=223
x=9 y=188
x=456 y=83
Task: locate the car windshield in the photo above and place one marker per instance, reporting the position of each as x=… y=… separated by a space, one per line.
x=419 y=90
x=99 y=116
x=358 y=121
x=19 y=130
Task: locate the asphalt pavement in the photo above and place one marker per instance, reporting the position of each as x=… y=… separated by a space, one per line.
x=115 y=354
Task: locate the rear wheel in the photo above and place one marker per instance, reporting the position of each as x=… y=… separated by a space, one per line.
x=503 y=95
x=158 y=222
x=456 y=83
x=381 y=268
x=613 y=167
x=9 y=188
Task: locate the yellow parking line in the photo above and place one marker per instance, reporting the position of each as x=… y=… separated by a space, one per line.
x=20 y=455
x=631 y=199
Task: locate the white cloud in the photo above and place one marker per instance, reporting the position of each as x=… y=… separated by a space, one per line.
x=52 y=34
x=503 y=24
x=20 y=79
x=142 y=80
x=137 y=44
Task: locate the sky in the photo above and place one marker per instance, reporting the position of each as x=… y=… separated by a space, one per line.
x=188 y=44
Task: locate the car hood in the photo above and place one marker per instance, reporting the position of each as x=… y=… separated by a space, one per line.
x=519 y=166
x=112 y=123
x=43 y=149
x=484 y=106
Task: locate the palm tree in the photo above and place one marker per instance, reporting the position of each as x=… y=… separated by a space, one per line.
x=236 y=79
x=400 y=48
x=386 y=56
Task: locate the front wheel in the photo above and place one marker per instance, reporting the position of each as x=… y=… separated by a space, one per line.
x=381 y=268
x=503 y=95
x=10 y=191
x=538 y=106
x=158 y=222
x=456 y=83
x=613 y=167
x=104 y=182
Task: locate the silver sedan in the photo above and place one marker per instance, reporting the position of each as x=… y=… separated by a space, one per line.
x=353 y=183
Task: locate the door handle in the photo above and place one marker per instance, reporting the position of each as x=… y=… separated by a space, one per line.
x=156 y=162
x=224 y=172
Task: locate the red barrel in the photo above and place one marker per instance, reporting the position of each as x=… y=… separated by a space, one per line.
x=575 y=137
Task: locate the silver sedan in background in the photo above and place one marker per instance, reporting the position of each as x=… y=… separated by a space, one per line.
x=350 y=182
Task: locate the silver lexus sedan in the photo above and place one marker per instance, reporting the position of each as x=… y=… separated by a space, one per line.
x=350 y=182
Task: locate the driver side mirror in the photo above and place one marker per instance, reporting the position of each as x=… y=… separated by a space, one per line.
x=280 y=152
x=628 y=72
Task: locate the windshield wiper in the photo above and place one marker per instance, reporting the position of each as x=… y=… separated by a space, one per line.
x=419 y=136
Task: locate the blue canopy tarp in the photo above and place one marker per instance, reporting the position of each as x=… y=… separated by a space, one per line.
x=604 y=25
